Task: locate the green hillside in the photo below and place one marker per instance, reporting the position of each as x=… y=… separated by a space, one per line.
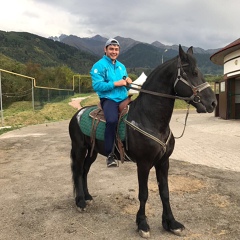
x=26 y=47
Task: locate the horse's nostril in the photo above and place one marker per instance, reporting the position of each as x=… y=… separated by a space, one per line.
x=214 y=104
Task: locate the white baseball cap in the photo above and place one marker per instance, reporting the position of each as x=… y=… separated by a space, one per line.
x=112 y=41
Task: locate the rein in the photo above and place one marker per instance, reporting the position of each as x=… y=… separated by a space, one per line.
x=159 y=94
x=185 y=123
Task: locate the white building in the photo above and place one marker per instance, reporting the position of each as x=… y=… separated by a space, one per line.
x=229 y=87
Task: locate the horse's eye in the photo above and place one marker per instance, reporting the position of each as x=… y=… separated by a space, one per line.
x=195 y=73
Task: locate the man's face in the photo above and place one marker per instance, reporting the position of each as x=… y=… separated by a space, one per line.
x=112 y=51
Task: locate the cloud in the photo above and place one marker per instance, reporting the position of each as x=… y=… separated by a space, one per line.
x=206 y=24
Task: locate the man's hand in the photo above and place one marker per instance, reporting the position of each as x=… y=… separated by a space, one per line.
x=123 y=82
x=129 y=80
x=120 y=83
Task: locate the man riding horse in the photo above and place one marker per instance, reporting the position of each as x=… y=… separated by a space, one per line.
x=109 y=78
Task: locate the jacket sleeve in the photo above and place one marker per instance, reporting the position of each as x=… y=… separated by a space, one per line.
x=99 y=83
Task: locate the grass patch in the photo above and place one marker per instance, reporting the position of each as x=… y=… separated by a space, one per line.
x=92 y=99
x=50 y=112
x=21 y=114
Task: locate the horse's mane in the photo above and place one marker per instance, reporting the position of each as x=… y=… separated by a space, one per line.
x=168 y=67
x=159 y=70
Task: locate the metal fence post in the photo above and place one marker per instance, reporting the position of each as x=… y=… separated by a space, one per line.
x=33 y=103
x=1 y=105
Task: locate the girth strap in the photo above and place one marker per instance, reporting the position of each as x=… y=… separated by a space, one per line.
x=164 y=145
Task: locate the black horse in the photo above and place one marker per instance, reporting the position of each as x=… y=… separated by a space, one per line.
x=150 y=141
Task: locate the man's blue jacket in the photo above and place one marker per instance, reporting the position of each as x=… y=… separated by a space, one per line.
x=104 y=73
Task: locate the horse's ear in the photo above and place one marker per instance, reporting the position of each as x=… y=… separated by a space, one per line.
x=182 y=54
x=190 y=50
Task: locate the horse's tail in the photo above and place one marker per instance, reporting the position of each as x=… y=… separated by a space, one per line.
x=77 y=143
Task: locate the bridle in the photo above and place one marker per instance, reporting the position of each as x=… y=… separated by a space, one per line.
x=195 y=89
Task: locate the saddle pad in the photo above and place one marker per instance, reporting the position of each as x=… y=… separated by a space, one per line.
x=86 y=123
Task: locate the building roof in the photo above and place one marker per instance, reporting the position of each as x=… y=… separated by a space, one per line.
x=218 y=57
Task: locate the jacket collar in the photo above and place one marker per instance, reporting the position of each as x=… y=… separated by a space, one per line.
x=110 y=60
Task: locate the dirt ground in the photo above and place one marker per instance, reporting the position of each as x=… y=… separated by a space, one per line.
x=36 y=197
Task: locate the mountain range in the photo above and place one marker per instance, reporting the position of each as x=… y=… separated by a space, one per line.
x=137 y=54
x=95 y=44
x=79 y=54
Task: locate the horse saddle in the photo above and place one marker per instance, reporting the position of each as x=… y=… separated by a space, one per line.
x=98 y=113
x=93 y=123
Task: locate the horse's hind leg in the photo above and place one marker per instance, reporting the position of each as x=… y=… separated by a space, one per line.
x=168 y=221
x=78 y=156
x=87 y=164
x=81 y=163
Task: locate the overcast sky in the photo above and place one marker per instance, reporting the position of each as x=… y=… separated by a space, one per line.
x=208 y=24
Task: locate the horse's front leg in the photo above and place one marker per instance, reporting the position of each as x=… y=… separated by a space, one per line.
x=168 y=221
x=143 y=227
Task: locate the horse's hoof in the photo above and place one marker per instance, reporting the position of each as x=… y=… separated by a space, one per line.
x=89 y=202
x=81 y=209
x=178 y=232
x=144 y=234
